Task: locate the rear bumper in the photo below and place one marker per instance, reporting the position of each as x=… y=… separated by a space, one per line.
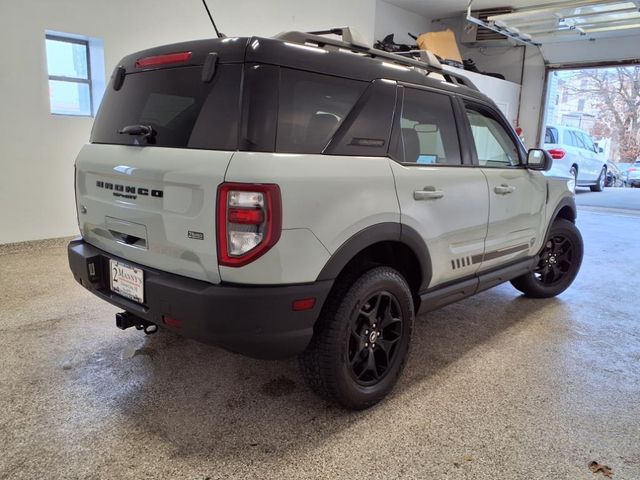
x=255 y=321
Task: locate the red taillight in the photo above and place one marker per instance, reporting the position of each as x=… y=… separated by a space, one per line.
x=245 y=216
x=632 y=170
x=171 y=322
x=303 y=304
x=163 y=59
x=557 y=153
x=249 y=221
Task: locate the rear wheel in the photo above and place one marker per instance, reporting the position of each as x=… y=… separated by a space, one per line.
x=559 y=263
x=361 y=339
x=598 y=187
x=574 y=173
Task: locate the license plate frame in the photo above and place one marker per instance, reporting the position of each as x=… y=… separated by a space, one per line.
x=126 y=280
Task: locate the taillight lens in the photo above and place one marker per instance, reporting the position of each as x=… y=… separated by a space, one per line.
x=249 y=221
x=164 y=59
x=631 y=170
x=557 y=153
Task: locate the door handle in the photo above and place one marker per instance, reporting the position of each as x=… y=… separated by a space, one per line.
x=504 y=189
x=428 y=193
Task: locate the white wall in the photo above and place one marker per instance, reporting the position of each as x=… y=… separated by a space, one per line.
x=37 y=150
x=393 y=19
x=505 y=94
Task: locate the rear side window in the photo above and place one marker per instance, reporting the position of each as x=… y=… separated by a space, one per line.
x=183 y=111
x=576 y=141
x=586 y=140
x=551 y=135
x=428 y=129
x=311 y=108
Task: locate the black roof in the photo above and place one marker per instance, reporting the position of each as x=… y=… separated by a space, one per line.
x=316 y=54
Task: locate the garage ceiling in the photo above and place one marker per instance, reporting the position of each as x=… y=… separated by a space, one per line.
x=438 y=9
x=544 y=21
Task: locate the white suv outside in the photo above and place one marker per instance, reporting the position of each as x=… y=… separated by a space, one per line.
x=301 y=195
x=575 y=155
x=633 y=175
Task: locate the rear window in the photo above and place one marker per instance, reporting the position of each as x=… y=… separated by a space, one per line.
x=311 y=108
x=183 y=111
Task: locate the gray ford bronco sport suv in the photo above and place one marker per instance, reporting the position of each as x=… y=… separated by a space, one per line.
x=304 y=195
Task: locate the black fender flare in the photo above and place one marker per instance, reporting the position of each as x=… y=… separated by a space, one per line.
x=380 y=232
x=566 y=201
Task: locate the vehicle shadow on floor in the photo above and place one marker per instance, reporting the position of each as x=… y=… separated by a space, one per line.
x=203 y=401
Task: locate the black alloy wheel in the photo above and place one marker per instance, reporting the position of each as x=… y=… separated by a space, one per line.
x=558 y=265
x=555 y=260
x=376 y=329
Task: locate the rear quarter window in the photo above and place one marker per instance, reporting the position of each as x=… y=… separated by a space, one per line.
x=311 y=108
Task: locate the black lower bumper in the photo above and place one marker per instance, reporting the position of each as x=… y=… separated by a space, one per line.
x=252 y=320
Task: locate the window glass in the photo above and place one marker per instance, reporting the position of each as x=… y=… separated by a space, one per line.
x=183 y=110
x=578 y=141
x=67 y=58
x=69 y=98
x=551 y=135
x=494 y=146
x=311 y=108
x=428 y=129
x=69 y=75
x=588 y=143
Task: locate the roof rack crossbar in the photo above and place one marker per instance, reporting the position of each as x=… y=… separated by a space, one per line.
x=312 y=37
x=427 y=61
x=458 y=78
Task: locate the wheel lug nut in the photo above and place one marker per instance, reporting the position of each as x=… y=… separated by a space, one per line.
x=366 y=344
x=366 y=332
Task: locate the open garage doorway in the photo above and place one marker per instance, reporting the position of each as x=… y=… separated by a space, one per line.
x=592 y=124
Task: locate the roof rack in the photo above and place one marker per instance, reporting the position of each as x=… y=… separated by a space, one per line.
x=426 y=54
x=352 y=41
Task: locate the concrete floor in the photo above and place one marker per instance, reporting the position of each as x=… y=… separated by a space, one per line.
x=497 y=387
x=610 y=198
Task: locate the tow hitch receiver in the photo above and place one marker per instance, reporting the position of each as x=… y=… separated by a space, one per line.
x=126 y=320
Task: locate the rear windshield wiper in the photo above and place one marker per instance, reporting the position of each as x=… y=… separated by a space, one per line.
x=145 y=131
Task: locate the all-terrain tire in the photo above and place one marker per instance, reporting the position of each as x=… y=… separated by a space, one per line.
x=345 y=336
x=559 y=263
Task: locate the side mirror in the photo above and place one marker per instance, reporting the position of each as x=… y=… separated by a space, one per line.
x=600 y=150
x=538 y=159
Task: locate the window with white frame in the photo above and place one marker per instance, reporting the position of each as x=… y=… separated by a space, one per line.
x=69 y=70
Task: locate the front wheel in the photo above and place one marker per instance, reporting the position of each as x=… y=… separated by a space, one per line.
x=598 y=187
x=361 y=340
x=559 y=263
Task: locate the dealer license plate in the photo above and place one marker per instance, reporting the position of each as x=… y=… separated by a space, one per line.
x=127 y=281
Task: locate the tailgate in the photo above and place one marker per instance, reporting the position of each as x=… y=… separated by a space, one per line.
x=153 y=206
